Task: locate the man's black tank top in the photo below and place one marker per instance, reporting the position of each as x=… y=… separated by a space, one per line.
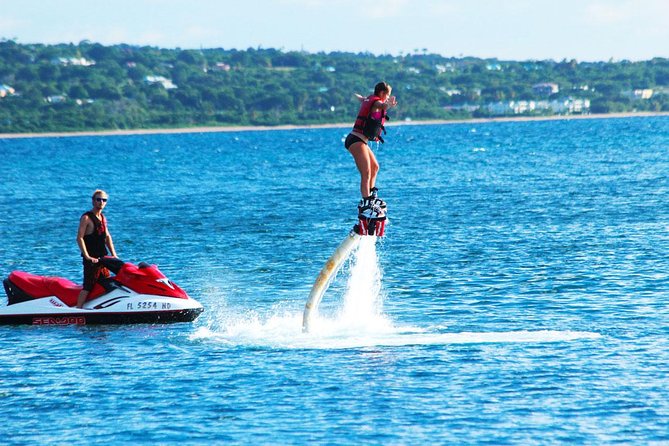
x=95 y=241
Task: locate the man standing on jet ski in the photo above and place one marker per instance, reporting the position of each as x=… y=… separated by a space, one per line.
x=93 y=238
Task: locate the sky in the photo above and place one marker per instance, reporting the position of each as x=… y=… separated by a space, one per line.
x=585 y=30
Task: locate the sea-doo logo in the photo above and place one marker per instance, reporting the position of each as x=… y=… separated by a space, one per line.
x=68 y=320
x=166 y=281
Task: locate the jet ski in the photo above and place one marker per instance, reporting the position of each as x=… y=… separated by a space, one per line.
x=134 y=294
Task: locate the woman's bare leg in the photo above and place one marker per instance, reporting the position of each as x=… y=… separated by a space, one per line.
x=374 y=168
x=361 y=155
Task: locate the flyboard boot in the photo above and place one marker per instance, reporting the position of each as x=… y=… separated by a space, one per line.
x=371 y=216
x=374 y=192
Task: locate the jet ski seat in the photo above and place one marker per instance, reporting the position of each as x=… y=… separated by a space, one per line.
x=35 y=287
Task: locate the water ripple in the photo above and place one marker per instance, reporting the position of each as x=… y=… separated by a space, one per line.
x=521 y=296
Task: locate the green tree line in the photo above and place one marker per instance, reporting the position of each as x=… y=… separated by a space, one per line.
x=89 y=86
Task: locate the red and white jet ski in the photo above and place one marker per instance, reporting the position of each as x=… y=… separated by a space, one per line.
x=135 y=294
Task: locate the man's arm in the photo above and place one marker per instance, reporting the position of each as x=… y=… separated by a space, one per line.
x=110 y=244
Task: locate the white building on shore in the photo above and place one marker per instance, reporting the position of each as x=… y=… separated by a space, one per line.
x=75 y=61
x=546 y=88
x=162 y=80
x=566 y=106
x=6 y=90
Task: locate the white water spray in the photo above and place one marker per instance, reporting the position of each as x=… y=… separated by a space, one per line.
x=358 y=322
x=362 y=307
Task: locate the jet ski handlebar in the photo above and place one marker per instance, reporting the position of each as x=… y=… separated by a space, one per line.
x=113 y=264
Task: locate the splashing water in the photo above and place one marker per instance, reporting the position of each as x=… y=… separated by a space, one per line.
x=359 y=322
x=362 y=310
x=362 y=298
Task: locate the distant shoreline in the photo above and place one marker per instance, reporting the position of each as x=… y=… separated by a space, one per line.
x=222 y=129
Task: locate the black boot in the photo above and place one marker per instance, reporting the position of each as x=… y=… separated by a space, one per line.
x=374 y=193
x=368 y=208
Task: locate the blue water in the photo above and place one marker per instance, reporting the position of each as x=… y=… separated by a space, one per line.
x=520 y=296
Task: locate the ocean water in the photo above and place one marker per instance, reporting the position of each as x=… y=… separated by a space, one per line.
x=520 y=296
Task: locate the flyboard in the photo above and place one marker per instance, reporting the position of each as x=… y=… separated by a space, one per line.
x=371 y=222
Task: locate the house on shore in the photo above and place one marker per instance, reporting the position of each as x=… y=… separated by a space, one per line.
x=545 y=89
x=566 y=106
x=6 y=90
x=73 y=61
x=162 y=80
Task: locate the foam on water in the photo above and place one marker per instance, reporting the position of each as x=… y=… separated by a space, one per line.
x=358 y=323
x=284 y=332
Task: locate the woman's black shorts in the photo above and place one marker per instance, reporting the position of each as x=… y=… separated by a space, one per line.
x=352 y=139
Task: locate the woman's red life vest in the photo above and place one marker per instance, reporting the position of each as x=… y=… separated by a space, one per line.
x=366 y=124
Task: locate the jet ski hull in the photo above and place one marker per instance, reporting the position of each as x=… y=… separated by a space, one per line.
x=136 y=295
x=121 y=306
x=91 y=318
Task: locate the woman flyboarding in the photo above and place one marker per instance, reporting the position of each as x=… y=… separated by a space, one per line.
x=368 y=127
